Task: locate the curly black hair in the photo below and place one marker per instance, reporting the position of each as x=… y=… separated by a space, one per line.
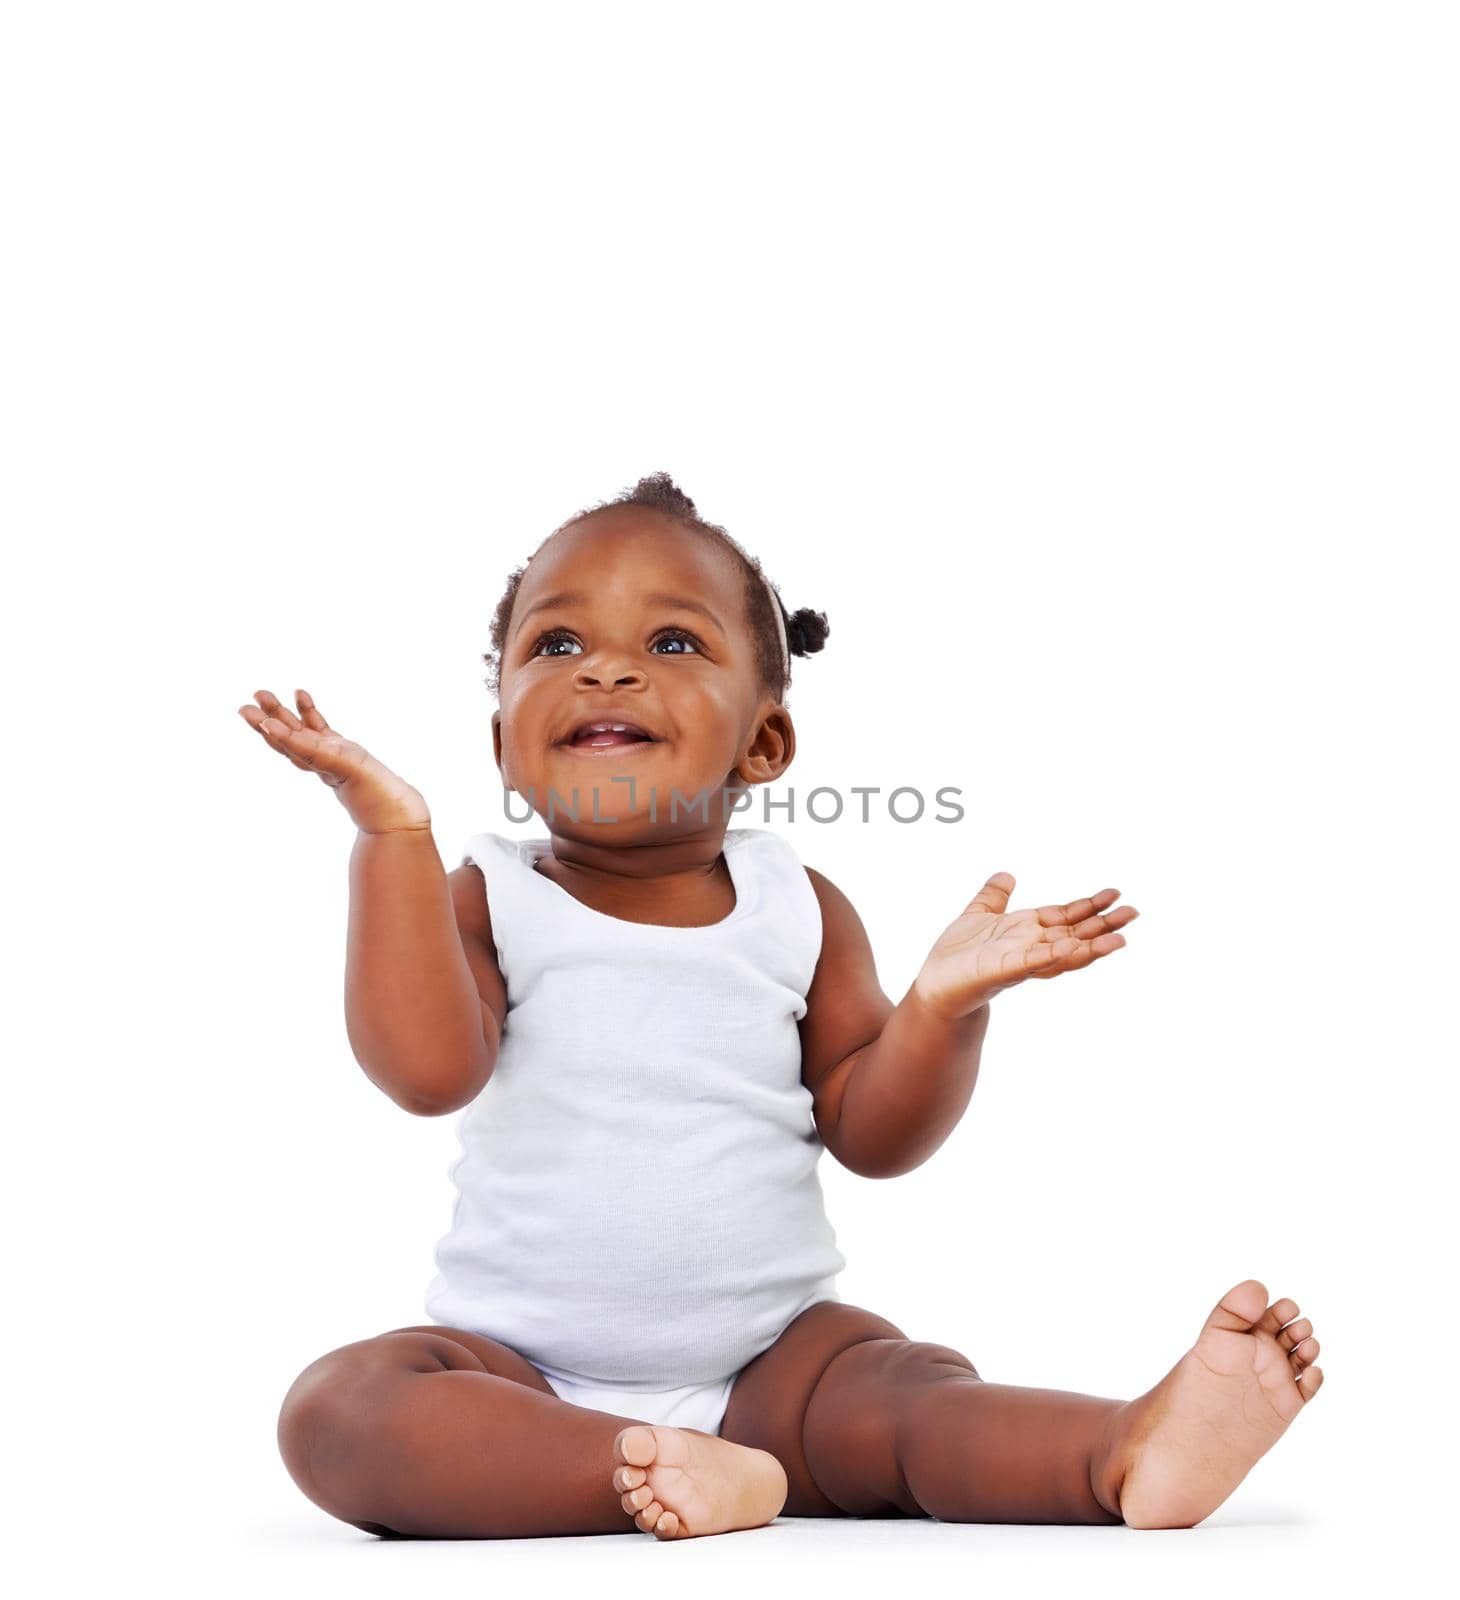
x=806 y=631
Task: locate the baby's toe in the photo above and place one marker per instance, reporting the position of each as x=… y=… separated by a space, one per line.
x=636 y=1445
x=649 y=1516
x=1304 y=1354
x=628 y=1477
x=1295 y=1333
x=1241 y=1308
x=1279 y=1312
x=1310 y=1382
x=636 y=1499
x=667 y=1526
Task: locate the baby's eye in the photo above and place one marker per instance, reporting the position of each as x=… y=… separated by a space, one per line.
x=676 y=636
x=546 y=645
x=555 y=638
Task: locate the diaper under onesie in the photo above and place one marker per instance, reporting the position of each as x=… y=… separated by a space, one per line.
x=638 y=1210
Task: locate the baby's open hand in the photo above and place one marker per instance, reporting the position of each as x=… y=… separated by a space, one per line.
x=990 y=948
x=377 y=800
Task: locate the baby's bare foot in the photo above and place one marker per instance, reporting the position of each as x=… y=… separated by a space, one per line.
x=1176 y=1453
x=677 y=1483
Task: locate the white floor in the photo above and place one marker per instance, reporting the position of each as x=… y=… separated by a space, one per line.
x=1255 y=1548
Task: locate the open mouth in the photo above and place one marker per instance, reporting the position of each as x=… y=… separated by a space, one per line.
x=605 y=735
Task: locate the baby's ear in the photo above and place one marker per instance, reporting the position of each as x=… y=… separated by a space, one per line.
x=497 y=739
x=771 y=750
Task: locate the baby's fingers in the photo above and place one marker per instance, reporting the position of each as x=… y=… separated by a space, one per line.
x=1091 y=927
x=1070 y=954
x=329 y=755
x=288 y=741
x=332 y=756
x=273 y=721
x=1077 y=910
x=274 y=707
x=310 y=712
x=277 y=716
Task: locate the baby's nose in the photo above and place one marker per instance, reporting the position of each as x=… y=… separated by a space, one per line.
x=608 y=672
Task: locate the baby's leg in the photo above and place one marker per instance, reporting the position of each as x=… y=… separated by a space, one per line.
x=873 y=1424
x=432 y=1432
x=869 y=1422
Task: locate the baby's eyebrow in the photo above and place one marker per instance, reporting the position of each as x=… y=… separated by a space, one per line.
x=658 y=599
x=574 y=597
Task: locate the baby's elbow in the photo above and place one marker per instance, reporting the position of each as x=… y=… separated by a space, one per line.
x=878 y=1162
x=880 y=1169
x=443 y=1104
x=426 y=1094
x=420 y=1107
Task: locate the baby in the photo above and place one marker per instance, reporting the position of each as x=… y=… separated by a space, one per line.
x=653 y=1023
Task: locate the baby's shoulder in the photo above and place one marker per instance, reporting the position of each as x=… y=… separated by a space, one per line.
x=846 y=959
x=835 y=907
x=846 y=1007
x=474 y=925
x=468 y=888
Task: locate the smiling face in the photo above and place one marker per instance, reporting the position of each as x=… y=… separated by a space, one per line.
x=626 y=617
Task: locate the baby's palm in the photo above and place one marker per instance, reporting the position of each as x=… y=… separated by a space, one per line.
x=377 y=800
x=988 y=948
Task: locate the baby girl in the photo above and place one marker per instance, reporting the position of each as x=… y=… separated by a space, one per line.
x=652 y=1023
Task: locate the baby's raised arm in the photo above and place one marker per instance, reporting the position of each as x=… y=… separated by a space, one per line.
x=889 y=1083
x=424 y=1000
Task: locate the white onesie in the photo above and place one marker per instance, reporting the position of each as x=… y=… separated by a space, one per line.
x=638 y=1210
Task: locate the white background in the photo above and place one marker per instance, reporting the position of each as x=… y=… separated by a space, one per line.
x=1091 y=367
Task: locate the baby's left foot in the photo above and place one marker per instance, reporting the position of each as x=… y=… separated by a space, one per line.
x=1175 y=1454
x=677 y=1483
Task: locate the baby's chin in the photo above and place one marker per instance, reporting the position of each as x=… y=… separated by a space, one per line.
x=601 y=811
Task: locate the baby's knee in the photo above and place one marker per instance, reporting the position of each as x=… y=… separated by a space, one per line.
x=879 y=1371
x=335 y=1422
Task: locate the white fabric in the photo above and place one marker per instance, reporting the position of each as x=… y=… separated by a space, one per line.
x=693 y=1405
x=638 y=1204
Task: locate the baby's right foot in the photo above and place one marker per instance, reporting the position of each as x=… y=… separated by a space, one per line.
x=677 y=1483
x=1175 y=1454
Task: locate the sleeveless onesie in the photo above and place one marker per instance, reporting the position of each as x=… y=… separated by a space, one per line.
x=638 y=1210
